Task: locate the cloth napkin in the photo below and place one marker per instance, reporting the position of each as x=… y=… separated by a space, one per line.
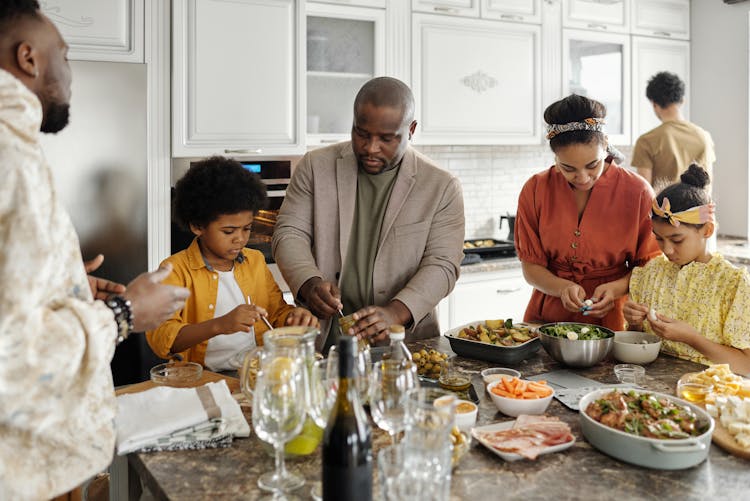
x=165 y=418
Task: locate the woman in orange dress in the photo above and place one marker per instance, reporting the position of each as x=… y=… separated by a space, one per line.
x=582 y=224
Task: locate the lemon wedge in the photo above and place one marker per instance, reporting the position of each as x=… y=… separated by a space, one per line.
x=280 y=369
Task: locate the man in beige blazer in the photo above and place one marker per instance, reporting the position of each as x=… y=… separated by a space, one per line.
x=370 y=226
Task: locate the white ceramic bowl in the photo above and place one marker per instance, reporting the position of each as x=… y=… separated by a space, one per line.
x=633 y=347
x=465 y=421
x=516 y=406
x=495 y=373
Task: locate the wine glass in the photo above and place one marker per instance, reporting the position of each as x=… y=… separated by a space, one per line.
x=323 y=389
x=390 y=384
x=278 y=415
x=361 y=370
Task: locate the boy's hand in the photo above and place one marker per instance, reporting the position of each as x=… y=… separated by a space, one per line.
x=301 y=316
x=635 y=314
x=242 y=318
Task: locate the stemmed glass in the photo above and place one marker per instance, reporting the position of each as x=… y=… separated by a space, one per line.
x=361 y=371
x=323 y=388
x=278 y=415
x=391 y=382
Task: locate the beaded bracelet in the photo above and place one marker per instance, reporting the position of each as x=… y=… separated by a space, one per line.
x=123 y=312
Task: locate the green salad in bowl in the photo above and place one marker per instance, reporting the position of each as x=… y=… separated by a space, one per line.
x=573 y=331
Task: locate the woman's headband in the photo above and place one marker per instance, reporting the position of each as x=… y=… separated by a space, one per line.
x=695 y=215
x=592 y=124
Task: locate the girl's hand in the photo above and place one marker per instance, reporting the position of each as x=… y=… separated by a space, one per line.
x=635 y=314
x=672 y=330
x=572 y=297
x=242 y=318
x=301 y=316
x=604 y=300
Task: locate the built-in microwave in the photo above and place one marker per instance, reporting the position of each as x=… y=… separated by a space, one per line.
x=275 y=174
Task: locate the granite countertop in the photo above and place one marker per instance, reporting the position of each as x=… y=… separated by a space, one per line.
x=579 y=472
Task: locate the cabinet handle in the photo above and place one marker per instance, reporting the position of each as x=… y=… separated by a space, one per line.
x=598 y=26
x=511 y=17
x=449 y=10
x=244 y=151
x=507 y=291
x=662 y=33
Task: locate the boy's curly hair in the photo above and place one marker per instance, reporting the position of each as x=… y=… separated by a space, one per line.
x=216 y=186
x=665 y=88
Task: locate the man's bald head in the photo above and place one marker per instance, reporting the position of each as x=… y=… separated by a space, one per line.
x=387 y=91
x=32 y=50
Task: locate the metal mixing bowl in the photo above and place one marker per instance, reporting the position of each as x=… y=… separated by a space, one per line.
x=576 y=353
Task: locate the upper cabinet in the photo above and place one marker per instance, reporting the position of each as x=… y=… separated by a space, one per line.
x=468 y=8
x=345 y=49
x=522 y=11
x=103 y=30
x=600 y=15
x=662 y=18
x=597 y=65
x=237 y=79
x=650 y=56
x=476 y=81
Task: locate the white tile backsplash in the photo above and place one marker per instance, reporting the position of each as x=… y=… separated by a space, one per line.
x=492 y=178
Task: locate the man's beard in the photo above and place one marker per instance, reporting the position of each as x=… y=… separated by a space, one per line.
x=56 y=118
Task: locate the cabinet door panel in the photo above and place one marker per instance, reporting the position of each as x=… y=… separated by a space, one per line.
x=237 y=68
x=611 y=16
x=650 y=56
x=477 y=82
x=497 y=296
x=105 y=30
x=451 y=7
x=662 y=18
x=524 y=11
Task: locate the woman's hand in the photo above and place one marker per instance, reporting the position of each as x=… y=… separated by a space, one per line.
x=572 y=297
x=603 y=300
x=301 y=316
x=673 y=330
x=635 y=314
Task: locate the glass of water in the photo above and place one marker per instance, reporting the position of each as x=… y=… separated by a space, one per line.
x=391 y=382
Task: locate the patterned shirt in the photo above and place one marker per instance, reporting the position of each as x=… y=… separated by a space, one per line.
x=57 y=402
x=713 y=297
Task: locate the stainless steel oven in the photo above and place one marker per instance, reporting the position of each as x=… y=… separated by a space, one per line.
x=275 y=174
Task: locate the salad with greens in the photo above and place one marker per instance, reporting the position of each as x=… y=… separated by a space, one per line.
x=583 y=332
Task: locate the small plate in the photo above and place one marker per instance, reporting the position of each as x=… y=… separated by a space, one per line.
x=512 y=456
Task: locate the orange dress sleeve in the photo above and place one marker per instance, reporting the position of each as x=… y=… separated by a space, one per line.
x=526 y=234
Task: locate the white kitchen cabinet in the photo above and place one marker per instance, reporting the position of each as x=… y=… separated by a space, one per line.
x=662 y=18
x=469 y=8
x=600 y=15
x=521 y=11
x=597 y=65
x=345 y=49
x=482 y=296
x=101 y=30
x=237 y=84
x=476 y=81
x=650 y=56
x=380 y=4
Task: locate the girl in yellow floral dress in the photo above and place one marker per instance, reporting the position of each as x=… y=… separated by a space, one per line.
x=698 y=303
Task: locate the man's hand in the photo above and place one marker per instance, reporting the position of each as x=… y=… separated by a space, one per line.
x=302 y=317
x=373 y=322
x=100 y=288
x=322 y=297
x=153 y=302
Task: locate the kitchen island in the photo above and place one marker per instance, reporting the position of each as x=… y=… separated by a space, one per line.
x=580 y=472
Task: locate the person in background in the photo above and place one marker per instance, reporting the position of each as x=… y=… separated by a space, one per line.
x=58 y=329
x=662 y=154
x=370 y=226
x=582 y=224
x=698 y=303
x=231 y=287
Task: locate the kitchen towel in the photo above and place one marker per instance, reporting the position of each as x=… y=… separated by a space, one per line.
x=178 y=418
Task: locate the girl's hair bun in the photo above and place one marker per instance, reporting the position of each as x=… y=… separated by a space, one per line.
x=696 y=176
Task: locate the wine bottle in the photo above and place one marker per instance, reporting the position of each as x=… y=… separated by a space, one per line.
x=347 y=443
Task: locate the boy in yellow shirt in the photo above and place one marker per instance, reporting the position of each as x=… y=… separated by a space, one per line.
x=231 y=287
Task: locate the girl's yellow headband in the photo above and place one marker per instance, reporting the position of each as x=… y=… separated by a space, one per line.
x=695 y=215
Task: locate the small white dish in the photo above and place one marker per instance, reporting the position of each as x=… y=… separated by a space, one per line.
x=512 y=456
x=466 y=415
x=495 y=373
x=514 y=407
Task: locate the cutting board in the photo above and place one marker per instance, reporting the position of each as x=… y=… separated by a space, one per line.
x=206 y=377
x=723 y=439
